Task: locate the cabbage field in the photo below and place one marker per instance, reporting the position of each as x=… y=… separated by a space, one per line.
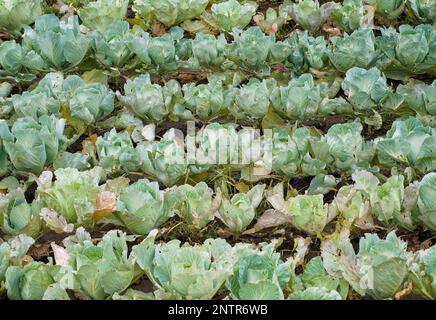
x=217 y=149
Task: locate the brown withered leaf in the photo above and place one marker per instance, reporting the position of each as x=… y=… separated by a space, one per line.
x=90 y=141
x=105 y=204
x=186 y=76
x=60 y=255
x=224 y=233
x=271 y=218
x=157 y=28
x=26 y=260
x=272 y=29
x=404 y=292
x=38 y=251
x=332 y=31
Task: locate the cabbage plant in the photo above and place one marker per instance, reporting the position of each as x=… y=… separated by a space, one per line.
x=230 y=14
x=379 y=269
x=408 y=143
x=16 y=13
x=98 y=15
x=18 y=63
x=72 y=195
x=308 y=52
x=88 y=269
x=426 y=201
x=12 y=253
x=407 y=52
x=88 y=102
x=387 y=10
x=149 y=101
x=351 y=15
x=60 y=44
x=309 y=14
x=291 y=153
x=172 y=12
x=367 y=89
x=353 y=50
x=343 y=147
x=33 y=144
x=17 y=215
x=423 y=273
x=165 y=159
x=111 y=47
x=315 y=276
x=142 y=207
x=252 y=100
x=35 y=104
x=197 y=205
x=424 y=10
x=203 y=101
x=307 y=212
x=183 y=271
x=115 y=152
x=301 y=99
x=419 y=97
x=260 y=276
x=208 y=50
x=250 y=48
x=31 y=281
x=239 y=211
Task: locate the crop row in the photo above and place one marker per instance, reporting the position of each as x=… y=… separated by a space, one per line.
x=79 y=199
x=32 y=145
x=366 y=93
x=225 y=15
x=58 y=45
x=381 y=269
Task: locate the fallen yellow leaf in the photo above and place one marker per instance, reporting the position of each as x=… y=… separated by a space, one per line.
x=105 y=204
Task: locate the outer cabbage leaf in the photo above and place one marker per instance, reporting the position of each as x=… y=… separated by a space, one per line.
x=308 y=212
x=423 y=273
x=427 y=201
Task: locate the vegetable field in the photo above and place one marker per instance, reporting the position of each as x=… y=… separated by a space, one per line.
x=217 y=149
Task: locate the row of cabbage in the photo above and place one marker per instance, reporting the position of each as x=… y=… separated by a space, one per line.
x=302 y=98
x=224 y=15
x=381 y=269
x=82 y=199
x=60 y=45
x=33 y=145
